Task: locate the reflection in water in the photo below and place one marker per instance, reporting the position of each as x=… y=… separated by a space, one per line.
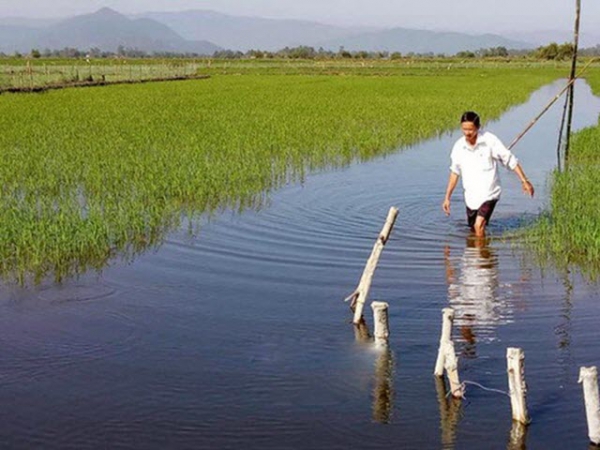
x=383 y=389
x=563 y=329
x=361 y=331
x=450 y=413
x=473 y=292
x=383 y=392
x=518 y=437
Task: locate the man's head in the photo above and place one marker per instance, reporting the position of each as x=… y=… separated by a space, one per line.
x=469 y=124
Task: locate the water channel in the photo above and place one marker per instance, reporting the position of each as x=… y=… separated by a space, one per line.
x=238 y=337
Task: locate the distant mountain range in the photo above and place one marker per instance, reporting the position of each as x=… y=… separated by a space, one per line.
x=105 y=29
x=204 y=32
x=246 y=33
x=421 y=41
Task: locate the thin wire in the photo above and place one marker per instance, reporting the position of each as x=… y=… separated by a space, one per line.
x=465 y=382
x=486 y=388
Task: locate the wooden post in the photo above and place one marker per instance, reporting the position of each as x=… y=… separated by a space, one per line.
x=381 y=327
x=359 y=296
x=516 y=384
x=451 y=367
x=447 y=320
x=589 y=377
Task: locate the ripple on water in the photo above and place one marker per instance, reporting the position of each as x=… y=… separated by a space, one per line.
x=63 y=326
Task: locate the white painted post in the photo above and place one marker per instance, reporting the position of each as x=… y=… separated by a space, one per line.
x=451 y=366
x=589 y=377
x=516 y=384
x=447 y=320
x=359 y=296
x=380 y=314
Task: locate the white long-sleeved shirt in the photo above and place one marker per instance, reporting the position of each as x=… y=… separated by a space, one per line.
x=478 y=167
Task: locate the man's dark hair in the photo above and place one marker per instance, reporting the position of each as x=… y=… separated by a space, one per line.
x=471 y=116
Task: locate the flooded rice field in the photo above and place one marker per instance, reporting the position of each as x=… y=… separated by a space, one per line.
x=238 y=337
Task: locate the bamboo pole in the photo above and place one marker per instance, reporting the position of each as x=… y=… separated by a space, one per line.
x=571 y=77
x=547 y=107
x=359 y=296
x=447 y=320
x=588 y=376
x=381 y=327
x=516 y=384
x=560 y=133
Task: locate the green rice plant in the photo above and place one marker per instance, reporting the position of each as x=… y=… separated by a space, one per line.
x=92 y=175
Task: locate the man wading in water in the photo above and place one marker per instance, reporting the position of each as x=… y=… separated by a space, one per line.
x=475 y=157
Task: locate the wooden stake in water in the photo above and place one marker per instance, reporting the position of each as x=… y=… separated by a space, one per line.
x=447 y=320
x=516 y=384
x=446 y=359
x=380 y=314
x=359 y=296
x=589 y=377
x=451 y=368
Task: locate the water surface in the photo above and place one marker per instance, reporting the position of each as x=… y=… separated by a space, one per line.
x=239 y=338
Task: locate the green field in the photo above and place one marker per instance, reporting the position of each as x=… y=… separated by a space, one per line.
x=92 y=174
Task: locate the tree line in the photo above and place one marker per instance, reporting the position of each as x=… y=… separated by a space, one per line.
x=552 y=51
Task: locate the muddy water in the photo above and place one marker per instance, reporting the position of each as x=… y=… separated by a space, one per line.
x=238 y=337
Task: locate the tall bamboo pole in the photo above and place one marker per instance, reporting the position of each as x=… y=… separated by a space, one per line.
x=571 y=77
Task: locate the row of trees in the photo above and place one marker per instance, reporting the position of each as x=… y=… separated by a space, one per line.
x=95 y=52
x=552 y=51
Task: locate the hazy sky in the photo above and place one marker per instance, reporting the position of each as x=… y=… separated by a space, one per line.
x=460 y=15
